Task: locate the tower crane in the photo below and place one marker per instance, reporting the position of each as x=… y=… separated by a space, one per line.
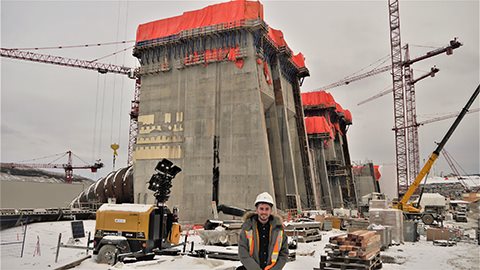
x=68 y=167
x=102 y=68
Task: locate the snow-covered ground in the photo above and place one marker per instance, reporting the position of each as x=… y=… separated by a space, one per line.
x=419 y=255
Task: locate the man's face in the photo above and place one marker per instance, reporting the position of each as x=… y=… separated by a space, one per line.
x=264 y=210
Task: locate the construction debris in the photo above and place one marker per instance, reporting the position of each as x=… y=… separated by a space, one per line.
x=356 y=250
x=305 y=232
x=444 y=243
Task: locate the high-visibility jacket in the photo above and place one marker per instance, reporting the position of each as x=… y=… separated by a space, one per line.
x=248 y=244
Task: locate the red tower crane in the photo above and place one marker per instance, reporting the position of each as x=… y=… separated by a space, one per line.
x=68 y=167
x=91 y=65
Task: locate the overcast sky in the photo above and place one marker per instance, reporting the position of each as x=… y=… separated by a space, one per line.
x=47 y=109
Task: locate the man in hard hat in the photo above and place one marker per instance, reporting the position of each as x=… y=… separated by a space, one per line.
x=262 y=244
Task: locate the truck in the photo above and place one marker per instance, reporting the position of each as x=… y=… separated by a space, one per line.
x=460 y=213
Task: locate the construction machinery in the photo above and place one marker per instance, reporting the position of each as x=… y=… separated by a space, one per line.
x=138 y=231
x=410 y=210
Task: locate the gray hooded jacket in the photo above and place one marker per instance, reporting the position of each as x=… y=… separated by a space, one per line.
x=278 y=241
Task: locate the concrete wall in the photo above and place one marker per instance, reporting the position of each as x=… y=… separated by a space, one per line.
x=183 y=109
x=15 y=194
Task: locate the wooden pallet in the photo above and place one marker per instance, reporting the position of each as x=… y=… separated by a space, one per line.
x=329 y=263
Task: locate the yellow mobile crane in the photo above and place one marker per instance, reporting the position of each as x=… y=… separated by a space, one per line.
x=409 y=210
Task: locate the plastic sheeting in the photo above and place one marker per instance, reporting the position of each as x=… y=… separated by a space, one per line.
x=299 y=60
x=230 y=14
x=276 y=36
x=348 y=117
x=376 y=170
x=318 y=98
x=318 y=125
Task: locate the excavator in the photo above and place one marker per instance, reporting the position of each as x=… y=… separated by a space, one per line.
x=414 y=212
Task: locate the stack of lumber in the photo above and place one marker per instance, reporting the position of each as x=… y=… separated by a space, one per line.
x=304 y=231
x=356 y=250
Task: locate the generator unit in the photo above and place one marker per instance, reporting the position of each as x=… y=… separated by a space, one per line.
x=138 y=230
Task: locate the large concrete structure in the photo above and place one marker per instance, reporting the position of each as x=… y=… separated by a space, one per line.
x=220 y=97
x=327 y=124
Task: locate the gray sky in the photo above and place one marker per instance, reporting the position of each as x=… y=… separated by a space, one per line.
x=48 y=109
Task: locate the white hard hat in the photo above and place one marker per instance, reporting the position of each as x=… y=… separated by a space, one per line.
x=264 y=198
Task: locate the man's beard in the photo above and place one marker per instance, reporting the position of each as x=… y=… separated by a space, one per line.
x=263 y=218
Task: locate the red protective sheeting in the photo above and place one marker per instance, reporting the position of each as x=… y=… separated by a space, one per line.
x=299 y=60
x=339 y=109
x=317 y=125
x=348 y=117
x=277 y=37
x=229 y=13
x=376 y=169
x=319 y=98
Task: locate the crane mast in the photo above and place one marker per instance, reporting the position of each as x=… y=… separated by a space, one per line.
x=398 y=96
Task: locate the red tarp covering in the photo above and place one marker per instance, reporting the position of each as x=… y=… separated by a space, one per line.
x=345 y=113
x=318 y=124
x=319 y=98
x=229 y=13
x=276 y=36
x=339 y=109
x=299 y=60
x=376 y=171
x=348 y=117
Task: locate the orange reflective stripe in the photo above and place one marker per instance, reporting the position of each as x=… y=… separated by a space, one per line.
x=249 y=235
x=276 y=250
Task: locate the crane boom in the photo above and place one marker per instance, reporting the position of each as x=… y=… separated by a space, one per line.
x=445 y=117
x=64 y=61
x=357 y=77
x=448 y=116
x=433 y=157
x=385 y=92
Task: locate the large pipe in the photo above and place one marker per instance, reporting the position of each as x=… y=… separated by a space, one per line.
x=117 y=184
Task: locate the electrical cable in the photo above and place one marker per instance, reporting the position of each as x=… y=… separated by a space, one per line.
x=102 y=116
x=64 y=154
x=86 y=163
x=74 y=46
x=95 y=118
x=123 y=77
x=49 y=156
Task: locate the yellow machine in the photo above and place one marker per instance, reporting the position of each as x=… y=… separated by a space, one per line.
x=133 y=228
x=138 y=230
x=410 y=210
